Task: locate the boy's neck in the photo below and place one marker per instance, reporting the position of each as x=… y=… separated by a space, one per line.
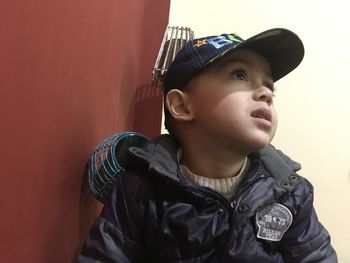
x=212 y=164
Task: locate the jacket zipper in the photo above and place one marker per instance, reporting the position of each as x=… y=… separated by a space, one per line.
x=230 y=205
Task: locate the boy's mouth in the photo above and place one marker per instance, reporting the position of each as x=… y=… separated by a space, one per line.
x=262 y=113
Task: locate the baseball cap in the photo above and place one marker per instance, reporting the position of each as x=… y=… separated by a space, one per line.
x=282 y=48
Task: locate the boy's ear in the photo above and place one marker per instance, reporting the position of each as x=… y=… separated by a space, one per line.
x=179 y=106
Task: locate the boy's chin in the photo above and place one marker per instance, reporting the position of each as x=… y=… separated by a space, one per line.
x=259 y=142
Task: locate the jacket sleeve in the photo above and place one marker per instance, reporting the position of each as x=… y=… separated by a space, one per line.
x=115 y=235
x=307 y=240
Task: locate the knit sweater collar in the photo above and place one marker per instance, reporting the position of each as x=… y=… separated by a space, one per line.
x=226 y=186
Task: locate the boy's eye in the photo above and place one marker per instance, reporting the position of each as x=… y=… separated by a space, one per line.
x=270 y=86
x=239 y=75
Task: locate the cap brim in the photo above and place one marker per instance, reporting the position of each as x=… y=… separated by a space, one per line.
x=282 y=48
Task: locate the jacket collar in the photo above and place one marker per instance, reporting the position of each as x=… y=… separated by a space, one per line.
x=159 y=155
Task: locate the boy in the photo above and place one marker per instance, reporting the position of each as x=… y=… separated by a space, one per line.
x=218 y=192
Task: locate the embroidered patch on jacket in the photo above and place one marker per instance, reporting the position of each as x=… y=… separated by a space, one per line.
x=273 y=221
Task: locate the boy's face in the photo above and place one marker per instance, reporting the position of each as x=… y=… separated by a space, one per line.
x=232 y=102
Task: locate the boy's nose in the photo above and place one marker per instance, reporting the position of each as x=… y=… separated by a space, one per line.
x=264 y=93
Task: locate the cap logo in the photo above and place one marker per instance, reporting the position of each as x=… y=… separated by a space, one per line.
x=200 y=43
x=219 y=42
x=235 y=38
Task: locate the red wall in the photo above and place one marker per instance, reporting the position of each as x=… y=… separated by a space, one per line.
x=72 y=72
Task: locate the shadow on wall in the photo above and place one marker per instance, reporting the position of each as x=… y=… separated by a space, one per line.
x=89 y=208
x=146 y=120
x=133 y=104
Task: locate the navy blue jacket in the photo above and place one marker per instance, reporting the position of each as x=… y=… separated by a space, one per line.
x=155 y=215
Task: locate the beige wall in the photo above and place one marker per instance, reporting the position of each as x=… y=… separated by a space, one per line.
x=313 y=101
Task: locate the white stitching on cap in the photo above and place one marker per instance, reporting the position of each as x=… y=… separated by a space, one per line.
x=188 y=48
x=199 y=56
